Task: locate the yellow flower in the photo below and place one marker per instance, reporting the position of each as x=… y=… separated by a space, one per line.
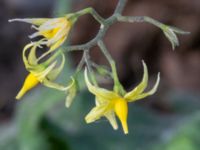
x=110 y=104
x=43 y=73
x=54 y=30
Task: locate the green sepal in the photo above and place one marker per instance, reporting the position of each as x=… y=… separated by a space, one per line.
x=71 y=92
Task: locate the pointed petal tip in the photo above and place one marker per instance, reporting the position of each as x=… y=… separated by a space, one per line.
x=10 y=20
x=67 y=105
x=20 y=94
x=144 y=65
x=115 y=127
x=154 y=89
x=13 y=20
x=143 y=62
x=126 y=133
x=125 y=127
x=88 y=120
x=158 y=78
x=18 y=97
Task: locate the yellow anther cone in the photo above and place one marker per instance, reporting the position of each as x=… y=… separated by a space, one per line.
x=30 y=82
x=121 y=109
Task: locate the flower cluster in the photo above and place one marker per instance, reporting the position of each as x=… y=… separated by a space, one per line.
x=45 y=68
x=51 y=33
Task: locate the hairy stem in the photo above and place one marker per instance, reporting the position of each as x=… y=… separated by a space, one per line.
x=117 y=85
x=92 y=12
x=80 y=65
x=133 y=19
x=120 y=6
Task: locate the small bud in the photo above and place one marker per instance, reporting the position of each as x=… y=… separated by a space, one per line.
x=170 y=33
x=102 y=70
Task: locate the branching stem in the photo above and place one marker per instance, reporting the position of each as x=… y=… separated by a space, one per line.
x=104 y=26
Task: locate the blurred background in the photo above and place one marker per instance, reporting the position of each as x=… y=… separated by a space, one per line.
x=168 y=120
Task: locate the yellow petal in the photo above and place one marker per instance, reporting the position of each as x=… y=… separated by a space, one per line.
x=49 y=33
x=55 y=31
x=121 y=110
x=96 y=113
x=110 y=115
x=31 y=62
x=27 y=47
x=41 y=75
x=30 y=82
x=112 y=119
x=32 y=59
x=141 y=87
x=151 y=92
x=55 y=72
x=35 y=21
x=100 y=92
x=58 y=43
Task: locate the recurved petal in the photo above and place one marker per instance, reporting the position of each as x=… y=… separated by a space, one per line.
x=55 y=72
x=25 y=60
x=141 y=87
x=45 y=72
x=96 y=113
x=32 y=59
x=58 y=43
x=151 y=92
x=35 y=21
x=54 y=85
x=100 y=92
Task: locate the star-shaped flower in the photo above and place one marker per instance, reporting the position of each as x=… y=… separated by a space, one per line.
x=110 y=104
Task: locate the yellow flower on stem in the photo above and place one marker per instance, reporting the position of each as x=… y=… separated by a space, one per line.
x=110 y=104
x=54 y=30
x=44 y=72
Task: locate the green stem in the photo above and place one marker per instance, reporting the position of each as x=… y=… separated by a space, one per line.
x=117 y=85
x=80 y=65
x=120 y=6
x=91 y=11
x=133 y=19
